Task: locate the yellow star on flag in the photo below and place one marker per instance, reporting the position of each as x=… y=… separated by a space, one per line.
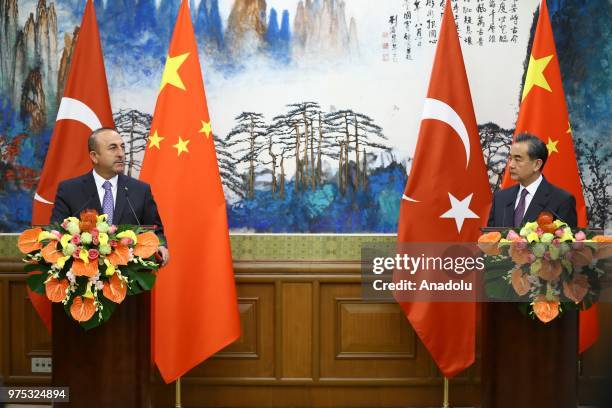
x=552 y=146
x=535 y=75
x=171 y=75
x=206 y=128
x=154 y=140
x=181 y=146
x=569 y=128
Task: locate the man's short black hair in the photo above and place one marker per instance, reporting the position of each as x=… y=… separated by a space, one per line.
x=91 y=141
x=536 y=149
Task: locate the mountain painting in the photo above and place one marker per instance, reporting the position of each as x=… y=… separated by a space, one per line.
x=315 y=105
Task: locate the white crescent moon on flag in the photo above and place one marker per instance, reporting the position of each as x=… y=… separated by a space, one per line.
x=73 y=109
x=438 y=110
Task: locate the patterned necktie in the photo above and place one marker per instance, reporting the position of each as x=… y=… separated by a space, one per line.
x=107 y=202
x=519 y=211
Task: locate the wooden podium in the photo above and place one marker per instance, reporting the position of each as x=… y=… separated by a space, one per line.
x=110 y=365
x=527 y=363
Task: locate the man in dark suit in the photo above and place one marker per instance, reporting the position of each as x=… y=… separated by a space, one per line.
x=505 y=358
x=533 y=194
x=107 y=190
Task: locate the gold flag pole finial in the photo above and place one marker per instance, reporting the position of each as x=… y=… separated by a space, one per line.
x=177 y=384
x=445 y=402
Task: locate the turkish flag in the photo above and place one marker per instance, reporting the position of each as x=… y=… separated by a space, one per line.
x=543 y=113
x=447 y=197
x=84 y=108
x=195 y=309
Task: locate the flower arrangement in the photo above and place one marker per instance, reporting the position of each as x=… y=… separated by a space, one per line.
x=545 y=266
x=88 y=265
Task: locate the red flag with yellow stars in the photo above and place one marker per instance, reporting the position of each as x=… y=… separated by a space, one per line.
x=543 y=113
x=195 y=310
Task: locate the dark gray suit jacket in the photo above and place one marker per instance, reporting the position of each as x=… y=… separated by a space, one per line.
x=560 y=203
x=80 y=193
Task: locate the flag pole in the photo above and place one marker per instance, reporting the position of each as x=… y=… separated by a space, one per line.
x=177 y=384
x=445 y=403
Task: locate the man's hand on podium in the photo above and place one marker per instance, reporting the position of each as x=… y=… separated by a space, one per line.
x=162 y=255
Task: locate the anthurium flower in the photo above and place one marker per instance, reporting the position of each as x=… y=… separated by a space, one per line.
x=28 y=240
x=546 y=310
x=102 y=218
x=56 y=289
x=82 y=309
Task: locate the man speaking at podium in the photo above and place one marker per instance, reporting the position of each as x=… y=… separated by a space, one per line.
x=523 y=202
x=107 y=190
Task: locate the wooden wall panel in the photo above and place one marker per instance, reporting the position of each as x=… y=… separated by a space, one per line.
x=296 y=327
x=367 y=339
x=308 y=341
x=252 y=356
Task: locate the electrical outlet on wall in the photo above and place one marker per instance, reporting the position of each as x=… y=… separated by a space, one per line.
x=41 y=364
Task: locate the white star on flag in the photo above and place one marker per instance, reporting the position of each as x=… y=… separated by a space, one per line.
x=460 y=210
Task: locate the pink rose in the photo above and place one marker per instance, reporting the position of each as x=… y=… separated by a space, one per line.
x=76 y=253
x=512 y=235
x=64 y=224
x=539 y=231
x=95 y=241
x=57 y=234
x=521 y=243
x=112 y=229
x=559 y=232
x=76 y=240
x=94 y=232
x=93 y=254
x=126 y=241
x=580 y=236
x=113 y=243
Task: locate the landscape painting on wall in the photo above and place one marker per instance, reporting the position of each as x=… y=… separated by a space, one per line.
x=315 y=105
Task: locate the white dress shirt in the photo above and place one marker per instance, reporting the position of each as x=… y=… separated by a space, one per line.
x=99 y=181
x=531 y=190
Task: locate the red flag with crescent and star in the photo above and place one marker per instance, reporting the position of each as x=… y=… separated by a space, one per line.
x=195 y=310
x=543 y=113
x=447 y=197
x=84 y=108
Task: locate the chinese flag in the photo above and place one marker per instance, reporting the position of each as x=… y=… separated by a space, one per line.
x=84 y=108
x=447 y=197
x=543 y=113
x=195 y=310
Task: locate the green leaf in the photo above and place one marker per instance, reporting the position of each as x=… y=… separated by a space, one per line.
x=146 y=279
x=36 y=267
x=36 y=282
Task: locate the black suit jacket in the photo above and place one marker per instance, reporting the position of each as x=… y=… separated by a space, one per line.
x=80 y=193
x=560 y=203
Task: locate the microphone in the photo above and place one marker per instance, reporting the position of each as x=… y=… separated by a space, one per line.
x=76 y=213
x=130 y=204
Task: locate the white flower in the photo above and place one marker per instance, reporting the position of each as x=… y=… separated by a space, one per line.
x=99 y=285
x=71 y=276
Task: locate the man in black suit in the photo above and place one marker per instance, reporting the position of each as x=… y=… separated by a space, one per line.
x=514 y=206
x=107 y=190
